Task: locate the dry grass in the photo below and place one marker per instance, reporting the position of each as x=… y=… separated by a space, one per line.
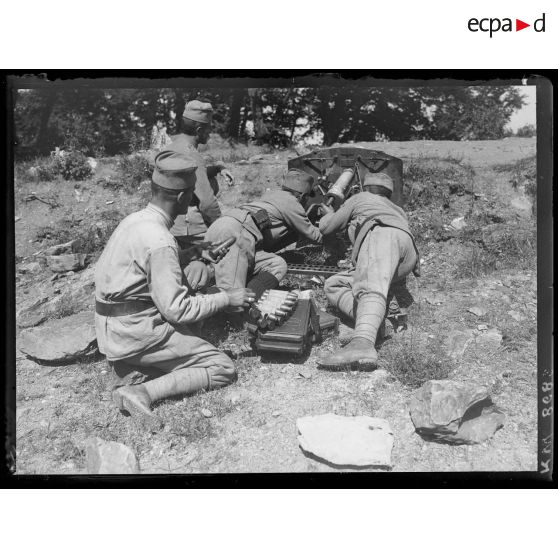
x=251 y=423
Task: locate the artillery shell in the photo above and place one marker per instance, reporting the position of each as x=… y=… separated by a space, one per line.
x=254 y=313
x=280 y=313
x=285 y=308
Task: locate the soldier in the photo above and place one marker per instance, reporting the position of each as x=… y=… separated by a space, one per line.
x=143 y=310
x=261 y=227
x=196 y=125
x=384 y=251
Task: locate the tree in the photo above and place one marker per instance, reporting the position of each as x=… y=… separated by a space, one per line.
x=470 y=113
x=527 y=131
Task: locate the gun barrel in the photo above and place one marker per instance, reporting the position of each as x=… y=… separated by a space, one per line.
x=339 y=188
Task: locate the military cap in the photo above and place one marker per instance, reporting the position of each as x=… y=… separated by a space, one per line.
x=378 y=179
x=172 y=169
x=198 y=111
x=298 y=181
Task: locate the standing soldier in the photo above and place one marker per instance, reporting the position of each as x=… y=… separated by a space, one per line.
x=144 y=312
x=261 y=227
x=384 y=251
x=196 y=125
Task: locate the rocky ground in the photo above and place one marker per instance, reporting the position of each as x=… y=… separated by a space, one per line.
x=474 y=320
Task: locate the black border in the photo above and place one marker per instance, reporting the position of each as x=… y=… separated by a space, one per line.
x=243 y=78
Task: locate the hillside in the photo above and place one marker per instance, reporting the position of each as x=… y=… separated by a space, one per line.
x=250 y=427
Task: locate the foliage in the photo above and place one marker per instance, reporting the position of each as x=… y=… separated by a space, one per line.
x=471 y=113
x=527 y=131
x=92 y=237
x=133 y=169
x=73 y=165
x=414 y=359
x=112 y=121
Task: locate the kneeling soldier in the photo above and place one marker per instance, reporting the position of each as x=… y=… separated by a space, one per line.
x=143 y=310
x=262 y=227
x=384 y=251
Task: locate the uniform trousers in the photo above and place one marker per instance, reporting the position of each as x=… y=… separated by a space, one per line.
x=243 y=259
x=387 y=255
x=181 y=351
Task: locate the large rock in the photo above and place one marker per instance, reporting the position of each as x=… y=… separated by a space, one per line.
x=72 y=247
x=489 y=340
x=347 y=441
x=109 y=458
x=454 y=412
x=67 y=262
x=62 y=340
x=79 y=290
x=31 y=268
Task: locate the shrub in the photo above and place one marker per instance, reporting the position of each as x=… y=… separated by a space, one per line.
x=496 y=247
x=527 y=131
x=133 y=169
x=65 y=306
x=414 y=361
x=92 y=237
x=73 y=165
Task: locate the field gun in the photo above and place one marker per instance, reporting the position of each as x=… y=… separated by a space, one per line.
x=339 y=173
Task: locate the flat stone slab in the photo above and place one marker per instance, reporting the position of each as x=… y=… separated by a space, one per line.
x=458 y=341
x=347 y=441
x=61 y=340
x=489 y=340
x=79 y=291
x=109 y=458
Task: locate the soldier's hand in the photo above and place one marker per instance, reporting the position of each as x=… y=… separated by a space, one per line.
x=227 y=176
x=197 y=275
x=241 y=297
x=208 y=258
x=325 y=209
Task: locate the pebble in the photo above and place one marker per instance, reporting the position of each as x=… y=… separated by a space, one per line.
x=477 y=311
x=276 y=414
x=482 y=327
x=517 y=316
x=206 y=413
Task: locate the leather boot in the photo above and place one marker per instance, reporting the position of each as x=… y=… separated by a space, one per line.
x=358 y=351
x=137 y=402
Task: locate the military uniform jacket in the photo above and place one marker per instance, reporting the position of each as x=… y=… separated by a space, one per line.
x=287 y=216
x=140 y=262
x=206 y=191
x=360 y=213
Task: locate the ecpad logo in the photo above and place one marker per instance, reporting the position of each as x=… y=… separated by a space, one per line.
x=494 y=24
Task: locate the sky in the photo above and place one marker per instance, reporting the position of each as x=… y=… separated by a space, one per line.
x=527 y=114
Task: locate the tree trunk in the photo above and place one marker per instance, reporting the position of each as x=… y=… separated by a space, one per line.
x=233 y=128
x=260 y=129
x=179 y=106
x=242 y=130
x=46 y=111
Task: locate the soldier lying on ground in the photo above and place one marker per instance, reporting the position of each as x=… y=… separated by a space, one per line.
x=143 y=311
x=196 y=125
x=384 y=251
x=261 y=227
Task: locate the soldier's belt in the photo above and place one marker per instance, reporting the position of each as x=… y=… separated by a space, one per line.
x=301 y=269
x=115 y=309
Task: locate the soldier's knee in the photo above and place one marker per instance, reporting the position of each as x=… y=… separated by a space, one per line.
x=331 y=285
x=222 y=373
x=280 y=268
